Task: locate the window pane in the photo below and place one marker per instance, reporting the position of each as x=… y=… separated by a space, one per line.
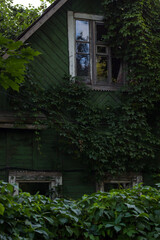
x=101 y=31
x=34 y=187
x=102 y=68
x=82 y=47
x=82 y=65
x=117 y=71
x=102 y=49
x=82 y=30
x=110 y=186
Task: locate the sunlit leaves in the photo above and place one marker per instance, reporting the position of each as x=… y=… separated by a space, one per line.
x=13 y=60
x=14 y=19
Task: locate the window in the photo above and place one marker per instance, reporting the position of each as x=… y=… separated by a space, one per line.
x=89 y=56
x=46 y=183
x=122 y=182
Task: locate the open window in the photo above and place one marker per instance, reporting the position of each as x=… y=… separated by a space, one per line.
x=120 y=182
x=90 y=58
x=45 y=183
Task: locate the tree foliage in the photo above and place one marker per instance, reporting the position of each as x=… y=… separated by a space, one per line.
x=15 y=19
x=117 y=215
x=13 y=62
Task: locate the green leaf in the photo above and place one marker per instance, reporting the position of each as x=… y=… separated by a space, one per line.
x=91 y=236
x=108 y=225
x=42 y=232
x=63 y=220
x=117 y=228
x=49 y=219
x=2 y=209
x=69 y=230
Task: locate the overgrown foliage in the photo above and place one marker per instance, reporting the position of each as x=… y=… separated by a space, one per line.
x=113 y=139
x=133 y=33
x=102 y=141
x=117 y=215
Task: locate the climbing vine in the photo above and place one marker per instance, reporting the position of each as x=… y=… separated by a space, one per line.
x=113 y=139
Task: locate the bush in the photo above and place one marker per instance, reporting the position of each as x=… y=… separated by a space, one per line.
x=119 y=214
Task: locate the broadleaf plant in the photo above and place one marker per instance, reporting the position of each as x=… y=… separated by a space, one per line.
x=116 y=215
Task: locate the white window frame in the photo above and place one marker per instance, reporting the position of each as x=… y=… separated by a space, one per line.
x=54 y=179
x=72 y=53
x=71 y=37
x=131 y=178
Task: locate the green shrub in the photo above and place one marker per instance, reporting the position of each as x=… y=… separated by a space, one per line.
x=119 y=214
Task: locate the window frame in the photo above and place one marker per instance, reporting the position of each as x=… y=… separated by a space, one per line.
x=105 y=86
x=54 y=179
x=131 y=178
x=77 y=53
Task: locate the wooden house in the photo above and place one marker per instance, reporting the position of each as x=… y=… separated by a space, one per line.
x=69 y=35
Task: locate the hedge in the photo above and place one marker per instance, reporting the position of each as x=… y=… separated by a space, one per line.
x=118 y=214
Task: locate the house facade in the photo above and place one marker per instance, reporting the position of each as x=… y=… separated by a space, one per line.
x=70 y=37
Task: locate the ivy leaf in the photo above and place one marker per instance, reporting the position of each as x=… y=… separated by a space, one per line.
x=2 y=209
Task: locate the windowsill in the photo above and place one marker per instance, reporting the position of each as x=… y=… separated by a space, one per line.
x=113 y=87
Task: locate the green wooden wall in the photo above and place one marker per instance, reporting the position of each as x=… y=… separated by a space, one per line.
x=18 y=148
x=4 y=100
x=52 y=41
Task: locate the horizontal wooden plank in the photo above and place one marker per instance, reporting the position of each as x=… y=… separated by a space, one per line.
x=12 y=117
x=10 y=120
x=23 y=126
x=35 y=174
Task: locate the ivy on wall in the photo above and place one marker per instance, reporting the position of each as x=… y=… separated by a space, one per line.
x=113 y=139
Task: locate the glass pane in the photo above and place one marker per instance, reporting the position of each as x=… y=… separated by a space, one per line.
x=82 y=30
x=101 y=31
x=102 y=49
x=34 y=187
x=102 y=68
x=110 y=186
x=82 y=47
x=82 y=65
x=117 y=71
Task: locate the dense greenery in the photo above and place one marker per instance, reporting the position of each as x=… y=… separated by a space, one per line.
x=113 y=139
x=14 y=19
x=102 y=141
x=135 y=24
x=117 y=215
x=133 y=33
